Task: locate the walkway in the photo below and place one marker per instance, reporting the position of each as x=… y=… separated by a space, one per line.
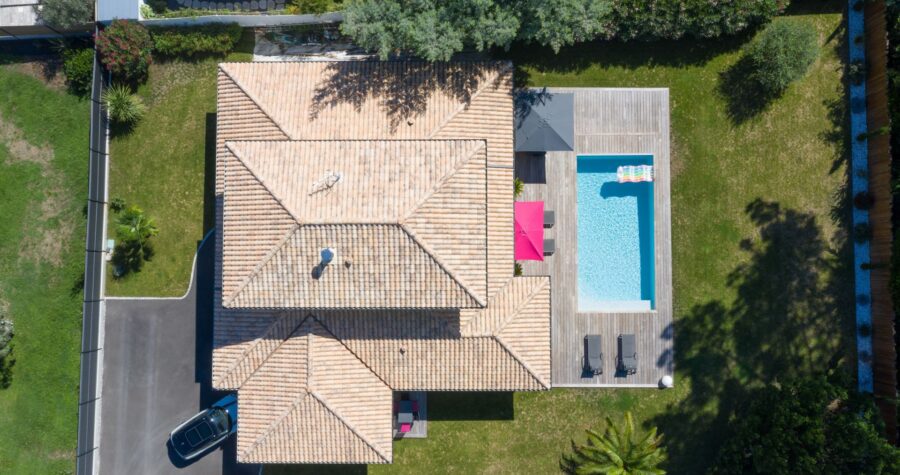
x=607 y=121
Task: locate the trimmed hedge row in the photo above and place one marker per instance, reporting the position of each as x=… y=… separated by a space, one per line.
x=211 y=39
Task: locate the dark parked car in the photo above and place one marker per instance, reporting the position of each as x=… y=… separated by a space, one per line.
x=207 y=429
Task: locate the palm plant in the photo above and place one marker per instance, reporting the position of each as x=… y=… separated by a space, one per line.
x=135 y=228
x=617 y=452
x=123 y=106
x=518 y=187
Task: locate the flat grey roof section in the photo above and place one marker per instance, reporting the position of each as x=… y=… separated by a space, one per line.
x=544 y=121
x=607 y=121
x=18 y=13
x=109 y=10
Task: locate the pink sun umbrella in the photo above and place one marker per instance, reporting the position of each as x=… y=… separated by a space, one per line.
x=528 y=226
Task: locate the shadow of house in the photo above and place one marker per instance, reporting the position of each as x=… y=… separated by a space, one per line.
x=788 y=320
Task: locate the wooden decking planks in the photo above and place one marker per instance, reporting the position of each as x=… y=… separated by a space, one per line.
x=607 y=121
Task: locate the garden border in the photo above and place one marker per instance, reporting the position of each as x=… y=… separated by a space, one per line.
x=884 y=355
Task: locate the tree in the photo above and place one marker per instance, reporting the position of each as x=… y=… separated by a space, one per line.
x=66 y=14
x=436 y=29
x=134 y=229
x=558 y=23
x=808 y=426
x=431 y=29
x=780 y=55
x=6 y=360
x=123 y=106
x=617 y=452
x=124 y=48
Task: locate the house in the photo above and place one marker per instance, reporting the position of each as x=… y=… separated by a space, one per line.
x=365 y=246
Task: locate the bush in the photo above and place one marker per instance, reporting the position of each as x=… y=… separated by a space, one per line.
x=67 y=14
x=862 y=232
x=863 y=200
x=78 y=64
x=781 y=54
x=123 y=106
x=124 y=48
x=218 y=39
x=158 y=6
x=674 y=19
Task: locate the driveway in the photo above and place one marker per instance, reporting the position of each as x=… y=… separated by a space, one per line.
x=156 y=374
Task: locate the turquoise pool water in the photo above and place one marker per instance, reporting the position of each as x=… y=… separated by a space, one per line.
x=615 y=236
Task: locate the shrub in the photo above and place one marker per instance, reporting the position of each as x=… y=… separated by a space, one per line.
x=158 y=6
x=314 y=6
x=117 y=204
x=780 y=55
x=134 y=230
x=856 y=71
x=124 y=48
x=674 y=19
x=517 y=269
x=78 y=64
x=123 y=106
x=865 y=330
x=67 y=14
x=862 y=232
x=863 y=200
x=218 y=39
x=518 y=187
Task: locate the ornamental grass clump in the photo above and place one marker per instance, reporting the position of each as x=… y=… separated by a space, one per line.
x=124 y=48
x=781 y=54
x=123 y=106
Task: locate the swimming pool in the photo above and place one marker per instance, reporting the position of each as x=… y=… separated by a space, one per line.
x=615 y=236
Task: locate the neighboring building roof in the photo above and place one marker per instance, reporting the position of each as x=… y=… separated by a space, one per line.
x=545 y=121
x=425 y=158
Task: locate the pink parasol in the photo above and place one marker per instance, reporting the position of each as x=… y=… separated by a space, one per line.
x=528 y=226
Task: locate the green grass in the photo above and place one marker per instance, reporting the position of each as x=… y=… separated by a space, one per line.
x=161 y=167
x=43 y=184
x=761 y=269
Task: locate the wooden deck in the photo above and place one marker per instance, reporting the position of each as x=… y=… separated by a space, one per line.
x=607 y=121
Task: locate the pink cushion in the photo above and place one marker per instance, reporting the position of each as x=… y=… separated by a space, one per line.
x=404 y=428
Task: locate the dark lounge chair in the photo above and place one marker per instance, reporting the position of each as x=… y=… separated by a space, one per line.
x=628 y=357
x=549 y=218
x=549 y=247
x=593 y=356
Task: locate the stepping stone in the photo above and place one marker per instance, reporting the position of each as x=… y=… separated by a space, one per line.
x=245 y=5
x=195 y=4
x=204 y=5
x=254 y=5
x=270 y=5
x=229 y=6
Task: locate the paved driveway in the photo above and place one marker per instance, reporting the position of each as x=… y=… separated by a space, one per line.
x=156 y=374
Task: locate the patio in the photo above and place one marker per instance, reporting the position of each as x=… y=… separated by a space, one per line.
x=607 y=121
x=410 y=415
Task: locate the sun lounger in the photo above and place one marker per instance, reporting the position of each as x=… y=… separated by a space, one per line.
x=593 y=356
x=549 y=247
x=628 y=357
x=549 y=218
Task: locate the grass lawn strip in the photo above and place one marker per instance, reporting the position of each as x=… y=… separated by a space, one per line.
x=43 y=183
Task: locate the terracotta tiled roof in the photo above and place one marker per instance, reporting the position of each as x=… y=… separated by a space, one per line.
x=407 y=219
x=425 y=156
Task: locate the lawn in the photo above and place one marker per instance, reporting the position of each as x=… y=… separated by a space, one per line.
x=761 y=267
x=160 y=166
x=43 y=184
x=762 y=284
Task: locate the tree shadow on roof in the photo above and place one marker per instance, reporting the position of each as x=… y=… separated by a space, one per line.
x=402 y=88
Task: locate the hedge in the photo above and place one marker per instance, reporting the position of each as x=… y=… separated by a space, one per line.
x=199 y=40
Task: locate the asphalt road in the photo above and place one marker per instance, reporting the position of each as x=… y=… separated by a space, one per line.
x=156 y=374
